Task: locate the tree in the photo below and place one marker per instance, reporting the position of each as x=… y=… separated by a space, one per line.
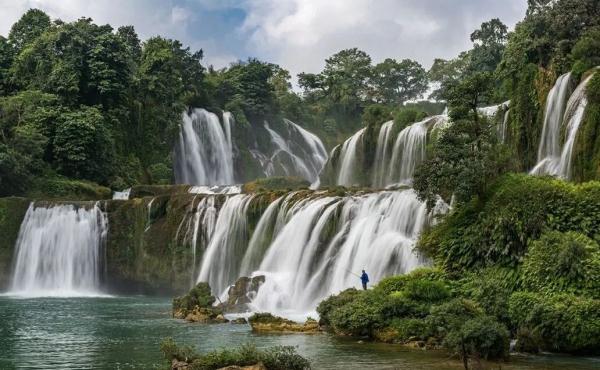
x=489 y=42
x=6 y=59
x=466 y=156
x=83 y=147
x=444 y=73
x=396 y=82
x=31 y=25
x=345 y=78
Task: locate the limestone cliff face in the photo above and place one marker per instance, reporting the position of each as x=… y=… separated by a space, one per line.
x=12 y=211
x=154 y=242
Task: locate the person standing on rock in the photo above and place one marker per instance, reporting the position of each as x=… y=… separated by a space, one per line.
x=364 y=278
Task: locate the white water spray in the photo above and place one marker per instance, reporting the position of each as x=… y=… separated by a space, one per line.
x=58 y=251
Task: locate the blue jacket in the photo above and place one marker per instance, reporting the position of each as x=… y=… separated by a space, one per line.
x=364 y=277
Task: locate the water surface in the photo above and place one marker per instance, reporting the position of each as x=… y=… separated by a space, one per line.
x=125 y=333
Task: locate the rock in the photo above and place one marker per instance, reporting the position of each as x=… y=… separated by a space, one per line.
x=258 y=366
x=241 y=293
x=239 y=320
x=206 y=315
x=179 y=365
x=265 y=322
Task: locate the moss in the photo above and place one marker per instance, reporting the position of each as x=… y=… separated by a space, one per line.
x=59 y=188
x=140 y=191
x=265 y=322
x=275 y=183
x=12 y=211
x=586 y=151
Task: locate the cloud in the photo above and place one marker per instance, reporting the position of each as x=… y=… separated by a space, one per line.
x=297 y=34
x=300 y=34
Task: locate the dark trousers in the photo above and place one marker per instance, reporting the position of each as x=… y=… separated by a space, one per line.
x=364 y=285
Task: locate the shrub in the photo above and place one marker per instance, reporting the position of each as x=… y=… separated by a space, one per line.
x=328 y=305
x=398 y=283
x=411 y=329
x=560 y=322
x=359 y=316
x=398 y=305
x=497 y=229
x=406 y=116
x=427 y=291
x=275 y=358
x=560 y=262
x=479 y=337
x=199 y=295
x=452 y=314
x=490 y=288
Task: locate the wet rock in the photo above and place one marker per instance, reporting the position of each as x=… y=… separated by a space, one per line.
x=265 y=322
x=179 y=365
x=239 y=320
x=258 y=366
x=205 y=315
x=241 y=293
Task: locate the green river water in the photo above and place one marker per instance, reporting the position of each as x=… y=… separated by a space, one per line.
x=125 y=333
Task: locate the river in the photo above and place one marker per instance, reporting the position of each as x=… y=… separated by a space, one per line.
x=125 y=333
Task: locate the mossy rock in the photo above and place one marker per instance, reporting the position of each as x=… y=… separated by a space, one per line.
x=12 y=211
x=275 y=183
x=66 y=189
x=266 y=322
x=140 y=191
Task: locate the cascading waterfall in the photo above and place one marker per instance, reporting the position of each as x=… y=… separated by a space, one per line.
x=122 y=195
x=303 y=154
x=382 y=155
x=227 y=244
x=408 y=153
x=203 y=153
x=59 y=251
x=306 y=244
x=554 y=160
x=348 y=159
x=549 y=148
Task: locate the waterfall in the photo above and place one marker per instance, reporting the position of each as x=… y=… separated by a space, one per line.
x=348 y=161
x=302 y=154
x=203 y=153
x=305 y=243
x=59 y=251
x=503 y=127
x=382 y=155
x=408 y=153
x=549 y=148
x=227 y=244
x=122 y=195
x=552 y=159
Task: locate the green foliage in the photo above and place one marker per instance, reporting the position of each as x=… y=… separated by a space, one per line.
x=275 y=183
x=398 y=283
x=563 y=262
x=586 y=52
x=376 y=114
x=30 y=26
x=498 y=228
x=406 y=116
x=410 y=329
x=559 y=322
x=359 y=316
x=586 y=150
x=491 y=289
x=274 y=358
x=328 y=305
x=82 y=146
x=395 y=82
x=200 y=296
x=479 y=337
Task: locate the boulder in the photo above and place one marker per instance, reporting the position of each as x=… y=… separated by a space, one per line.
x=265 y=322
x=241 y=293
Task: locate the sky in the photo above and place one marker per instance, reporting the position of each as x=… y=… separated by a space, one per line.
x=296 y=34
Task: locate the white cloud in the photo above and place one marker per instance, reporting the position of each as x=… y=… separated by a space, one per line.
x=300 y=34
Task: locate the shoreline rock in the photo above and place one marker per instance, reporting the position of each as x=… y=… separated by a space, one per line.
x=267 y=323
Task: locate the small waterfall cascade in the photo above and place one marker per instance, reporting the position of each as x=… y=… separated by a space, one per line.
x=348 y=160
x=408 y=153
x=59 y=251
x=204 y=151
x=549 y=148
x=553 y=159
x=230 y=189
x=301 y=154
x=122 y=195
x=382 y=154
x=227 y=244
